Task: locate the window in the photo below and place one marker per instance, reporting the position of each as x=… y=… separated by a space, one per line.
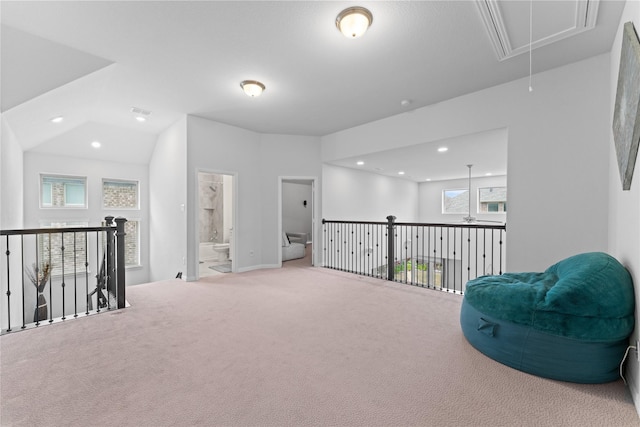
x=58 y=191
x=118 y=194
x=455 y=201
x=492 y=199
x=132 y=243
x=50 y=249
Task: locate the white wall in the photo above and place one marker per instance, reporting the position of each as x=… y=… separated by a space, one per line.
x=229 y=150
x=94 y=170
x=624 y=206
x=11 y=185
x=11 y=217
x=168 y=203
x=430 y=194
x=353 y=195
x=296 y=217
x=227 y=202
x=285 y=156
x=558 y=146
x=257 y=161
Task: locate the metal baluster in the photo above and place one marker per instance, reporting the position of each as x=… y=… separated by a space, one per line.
x=500 y=272
x=37 y=269
x=62 y=285
x=484 y=251
x=476 y=252
x=493 y=260
x=8 y=253
x=468 y=254
x=97 y=272
x=75 y=277
x=24 y=323
x=50 y=305
x=86 y=270
x=352 y=267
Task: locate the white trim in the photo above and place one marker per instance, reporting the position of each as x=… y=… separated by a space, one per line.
x=233 y=247
x=60 y=176
x=314 y=215
x=463 y=190
x=258 y=267
x=124 y=181
x=584 y=20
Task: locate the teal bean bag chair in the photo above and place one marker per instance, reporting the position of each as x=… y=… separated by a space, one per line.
x=570 y=323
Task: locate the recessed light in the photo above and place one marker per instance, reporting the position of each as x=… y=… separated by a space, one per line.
x=428 y=179
x=488 y=174
x=359 y=163
x=57 y=119
x=141 y=119
x=95 y=144
x=442 y=149
x=401 y=173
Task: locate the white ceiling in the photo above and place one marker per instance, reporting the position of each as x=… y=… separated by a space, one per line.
x=486 y=151
x=93 y=61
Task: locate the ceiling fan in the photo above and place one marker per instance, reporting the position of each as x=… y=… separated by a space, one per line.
x=469 y=219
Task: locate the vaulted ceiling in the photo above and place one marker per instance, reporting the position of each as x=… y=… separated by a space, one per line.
x=91 y=62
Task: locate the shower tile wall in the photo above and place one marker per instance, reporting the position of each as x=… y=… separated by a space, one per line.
x=211 y=192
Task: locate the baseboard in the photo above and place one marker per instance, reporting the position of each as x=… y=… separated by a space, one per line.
x=632 y=372
x=256 y=267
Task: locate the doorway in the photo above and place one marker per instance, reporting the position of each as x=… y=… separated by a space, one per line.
x=297 y=217
x=215 y=223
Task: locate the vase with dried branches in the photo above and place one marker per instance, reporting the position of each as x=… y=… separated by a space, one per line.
x=39 y=278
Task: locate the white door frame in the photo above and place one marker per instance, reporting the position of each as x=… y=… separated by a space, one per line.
x=233 y=247
x=314 y=214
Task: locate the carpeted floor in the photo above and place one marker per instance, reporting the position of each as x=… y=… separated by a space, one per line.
x=296 y=346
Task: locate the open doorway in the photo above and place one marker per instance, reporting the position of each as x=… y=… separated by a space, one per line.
x=215 y=223
x=297 y=219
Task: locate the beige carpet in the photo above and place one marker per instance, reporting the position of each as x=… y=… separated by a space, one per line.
x=296 y=346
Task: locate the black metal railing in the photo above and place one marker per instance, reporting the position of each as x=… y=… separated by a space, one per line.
x=60 y=273
x=438 y=256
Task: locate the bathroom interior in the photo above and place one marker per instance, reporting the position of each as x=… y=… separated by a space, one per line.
x=215 y=192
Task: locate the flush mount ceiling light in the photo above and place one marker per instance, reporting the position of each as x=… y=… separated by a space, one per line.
x=57 y=119
x=442 y=149
x=252 y=88
x=96 y=144
x=354 y=21
x=359 y=163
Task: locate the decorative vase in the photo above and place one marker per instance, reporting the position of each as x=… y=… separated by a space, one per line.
x=41 y=312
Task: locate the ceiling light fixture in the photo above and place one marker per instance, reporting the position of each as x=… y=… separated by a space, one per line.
x=354 y=21
x=57 y=119
x=442 y=149
x=360 y=163
x=401 y=173
x=252 y=88
x=141 y=119
x=95 y=144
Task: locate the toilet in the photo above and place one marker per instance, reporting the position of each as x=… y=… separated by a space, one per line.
x=222 y=251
